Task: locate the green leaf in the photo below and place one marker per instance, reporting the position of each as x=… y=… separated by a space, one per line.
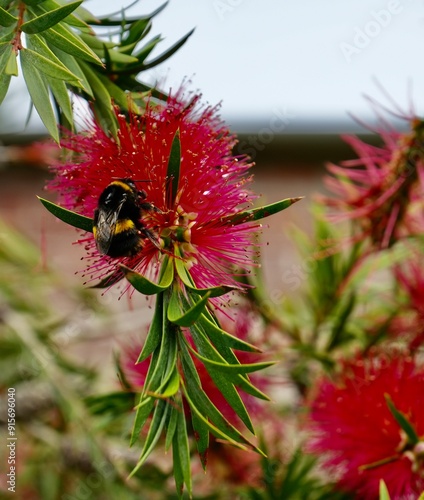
x=96 y=43
x=171 y=426
x=168 y=53
x=48 y=67
x=338 y=329
x=63 y=38
x=72 y=19
x=4 y=86
x=259 y=213
x=69 y=62
x=383 y=491
x=120 y=97
x=39 y=93
x=5 y=51
x=173 y=171
x=71 y=218
x=6 y=19
x=403 y=421
x=181 y=455
x=201 y=435
x=111 y=279
x=155 y=331
x=221 y=380
x=147 y=287
x=202 y=405
x=160 y=371
x=232 y=369
x=60 y=92
x=115 y=56
x=189 y=316
x=216 y=291
x=172 y=385
x=155 y=430
x=136 y=32
x=49 y=19
x=102 y=100
x=220 y=338
x=12 y=64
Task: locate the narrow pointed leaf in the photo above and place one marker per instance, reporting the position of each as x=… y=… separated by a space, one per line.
x=72 y=19
x=50 y=18
x=155 y=331
x=173 y=171
x=383 y=491
x=63 y=38
x=216 y=291
x=155 y=431
x=4 y=86
x=39 y=93
x=48 y=67
x=261 y=212
x=160 y=370
x=6 y=19
x=171 y=426
x=171 y=387
x=168 y=53
x=70 y=62
x=71 y=218
x=221 y=380
x=202 y=405
x=403 y=421
x=119 y=57
x=12 y=64
x=109 y=280
x=147 y=287
x=220 y=337
x=60 y=92
x=232 y=369
x=96 y=43
x=181 y=454
x=119 y=96
x=201 y=435
x=189 y=316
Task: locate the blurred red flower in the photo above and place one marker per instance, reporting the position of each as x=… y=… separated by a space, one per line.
x=356 y=434
x=376 y=190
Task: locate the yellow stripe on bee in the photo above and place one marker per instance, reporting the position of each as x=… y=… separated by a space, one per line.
x=121 y=184
x=124 y=225
x=94 y=231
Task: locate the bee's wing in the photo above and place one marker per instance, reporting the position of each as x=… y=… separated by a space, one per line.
x=105 y=228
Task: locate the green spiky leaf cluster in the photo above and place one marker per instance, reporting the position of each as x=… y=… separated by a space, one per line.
x=64 y=50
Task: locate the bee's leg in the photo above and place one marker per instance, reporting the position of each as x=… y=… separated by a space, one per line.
x=151 y=236
x=148 y=207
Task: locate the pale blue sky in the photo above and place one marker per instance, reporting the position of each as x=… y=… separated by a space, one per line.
x=306 y=61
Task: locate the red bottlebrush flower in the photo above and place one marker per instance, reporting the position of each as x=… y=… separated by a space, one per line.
x=376 y=189
x=213 y=186
x=356 y=433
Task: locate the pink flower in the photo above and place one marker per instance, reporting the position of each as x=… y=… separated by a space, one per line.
x=376 y=189
x=213 y=186
x=356 y=434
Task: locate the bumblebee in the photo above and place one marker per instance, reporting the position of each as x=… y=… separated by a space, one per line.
x=117 y=226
